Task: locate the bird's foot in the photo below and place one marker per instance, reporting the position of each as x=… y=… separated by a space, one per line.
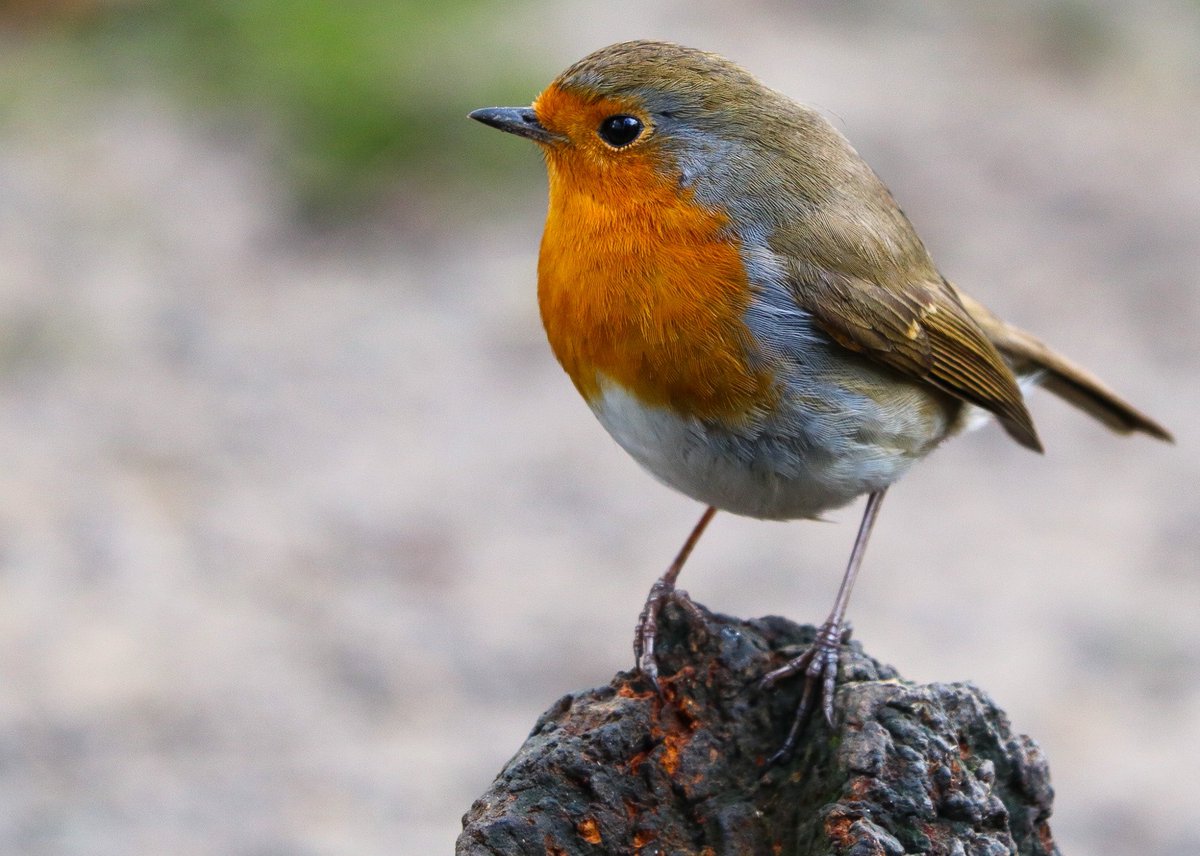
x=662 y=593
x=819 y=664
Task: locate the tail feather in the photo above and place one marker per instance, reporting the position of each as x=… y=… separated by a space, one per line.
x=1070 y=382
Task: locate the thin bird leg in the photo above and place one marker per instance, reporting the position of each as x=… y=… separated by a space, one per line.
x=662 y=592
x=820 y=662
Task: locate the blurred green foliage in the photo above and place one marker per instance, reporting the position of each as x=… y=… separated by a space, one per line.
x=353 y=95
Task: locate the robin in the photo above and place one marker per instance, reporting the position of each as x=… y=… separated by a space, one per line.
x=750 y=315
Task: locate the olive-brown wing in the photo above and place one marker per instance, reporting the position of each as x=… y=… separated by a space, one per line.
x=921 y=330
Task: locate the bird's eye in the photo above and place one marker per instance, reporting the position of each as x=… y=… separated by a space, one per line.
x=620 y=131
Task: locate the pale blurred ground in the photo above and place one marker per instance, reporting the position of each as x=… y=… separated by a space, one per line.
x=298 y=535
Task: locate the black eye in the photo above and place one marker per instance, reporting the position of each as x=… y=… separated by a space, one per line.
x=620 y=130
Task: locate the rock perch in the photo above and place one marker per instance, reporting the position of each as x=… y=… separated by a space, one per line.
x=907 y=768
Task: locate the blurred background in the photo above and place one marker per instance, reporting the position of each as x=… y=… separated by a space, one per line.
x=301 y=526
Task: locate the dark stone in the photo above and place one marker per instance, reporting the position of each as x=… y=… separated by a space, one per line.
x=906 y=769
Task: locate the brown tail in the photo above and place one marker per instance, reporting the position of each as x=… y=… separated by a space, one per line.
x=1062 y=377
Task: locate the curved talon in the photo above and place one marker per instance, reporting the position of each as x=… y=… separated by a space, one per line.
x=647 y=632
x=788 y=669
x=646 y=635
x=828 y=670
x=662 y=591
x=819 y=663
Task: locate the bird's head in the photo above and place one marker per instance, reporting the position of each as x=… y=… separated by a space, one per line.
x=641 y=105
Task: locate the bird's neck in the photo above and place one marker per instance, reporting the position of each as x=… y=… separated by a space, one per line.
x=641 y=286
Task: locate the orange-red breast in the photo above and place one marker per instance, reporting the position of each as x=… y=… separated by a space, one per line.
x=748 y=312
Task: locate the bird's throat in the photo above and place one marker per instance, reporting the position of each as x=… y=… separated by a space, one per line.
x=642 y=286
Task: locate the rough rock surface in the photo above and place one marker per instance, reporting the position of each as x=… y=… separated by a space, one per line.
x=907 y=768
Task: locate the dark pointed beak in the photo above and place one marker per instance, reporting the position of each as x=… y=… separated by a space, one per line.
x=521 y=121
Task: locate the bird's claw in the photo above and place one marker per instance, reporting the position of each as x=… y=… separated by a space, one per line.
x=661 y=593
x=819 y=664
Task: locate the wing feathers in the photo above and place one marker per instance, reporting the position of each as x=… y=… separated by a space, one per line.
x=921 y=330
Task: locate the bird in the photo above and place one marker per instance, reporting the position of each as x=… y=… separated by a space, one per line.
x=749 y=313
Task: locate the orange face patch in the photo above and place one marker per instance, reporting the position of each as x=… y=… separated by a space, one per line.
x=638 y=282
x=577 y=117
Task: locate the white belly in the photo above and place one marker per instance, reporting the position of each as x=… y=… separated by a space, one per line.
x=794 y=465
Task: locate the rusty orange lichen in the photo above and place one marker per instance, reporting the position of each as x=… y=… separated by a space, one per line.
x=860 y=787
x=643 y=837
x=837 y=829
x=670 y=754
x=1044 y=836
x=626 y=690
x=588 y=830
x=691 y=713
